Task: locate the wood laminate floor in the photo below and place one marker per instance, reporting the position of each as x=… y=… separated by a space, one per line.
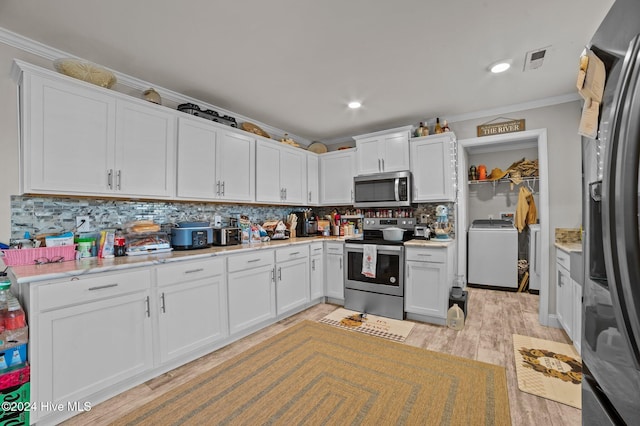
x=492 y=317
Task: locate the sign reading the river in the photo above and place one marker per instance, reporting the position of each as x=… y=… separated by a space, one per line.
x=500 y=128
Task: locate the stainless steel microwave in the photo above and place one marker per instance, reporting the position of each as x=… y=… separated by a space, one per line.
x=383 y=190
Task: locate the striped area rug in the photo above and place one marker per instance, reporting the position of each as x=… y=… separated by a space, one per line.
x=313 y=374
x=374 y=325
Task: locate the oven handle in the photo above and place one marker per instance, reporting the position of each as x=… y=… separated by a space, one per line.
x=380 y=248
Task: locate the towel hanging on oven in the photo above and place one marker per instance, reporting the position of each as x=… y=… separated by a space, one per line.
x=369 y=258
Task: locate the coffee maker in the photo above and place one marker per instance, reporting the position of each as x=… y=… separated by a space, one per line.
x=307 y=225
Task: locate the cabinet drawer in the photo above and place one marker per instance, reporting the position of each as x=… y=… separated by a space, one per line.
x=335 y=248
x=85 y=289
x=427 y=255
x=188 y=271
x=297 y=251
x=316 y=248
x=563 y=258
x=251 y=260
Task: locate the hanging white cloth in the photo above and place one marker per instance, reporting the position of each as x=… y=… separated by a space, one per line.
x=369 y=259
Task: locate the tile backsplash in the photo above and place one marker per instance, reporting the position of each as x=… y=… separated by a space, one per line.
x=43 y=215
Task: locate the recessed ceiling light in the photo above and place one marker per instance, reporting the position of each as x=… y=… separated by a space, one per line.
x=355 y=105
x=500 y=67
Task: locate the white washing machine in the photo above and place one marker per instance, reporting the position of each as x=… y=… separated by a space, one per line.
x=493 y=253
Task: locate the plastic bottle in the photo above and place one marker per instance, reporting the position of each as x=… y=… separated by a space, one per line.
x=455 y=317
x=15 y=317
x=4 y=290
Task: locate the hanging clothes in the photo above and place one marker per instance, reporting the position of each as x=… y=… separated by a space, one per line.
x=526 y=212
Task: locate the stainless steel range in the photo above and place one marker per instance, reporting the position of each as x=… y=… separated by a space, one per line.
x=374 y=272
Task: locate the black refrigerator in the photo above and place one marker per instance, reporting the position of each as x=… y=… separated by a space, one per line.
x=611 y=292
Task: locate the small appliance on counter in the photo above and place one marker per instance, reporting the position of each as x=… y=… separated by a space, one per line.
x=421 y=232
x=191 y=235
x=306 y=225
x=227 y=236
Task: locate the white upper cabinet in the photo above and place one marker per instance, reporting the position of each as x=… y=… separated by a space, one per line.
x=214 y=163
x=381 y=152
x=313 y=179
x=83 y=140
x=433 y=168
x=145 y=150
x=337 y=170
x=281 y=173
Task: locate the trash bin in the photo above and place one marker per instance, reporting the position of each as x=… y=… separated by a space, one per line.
x=459 y=297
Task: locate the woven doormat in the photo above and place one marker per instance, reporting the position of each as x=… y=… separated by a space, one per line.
x=374 y=325
x=548 y=369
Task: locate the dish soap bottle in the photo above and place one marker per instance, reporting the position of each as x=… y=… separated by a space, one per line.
x=455 y=317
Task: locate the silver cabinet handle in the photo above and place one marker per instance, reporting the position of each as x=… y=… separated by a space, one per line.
x=163 y=307
x=273 y=274
x=352 y=195
x=218 y=188
x=425 y=254
x=100 y=287
x=110 y=178
x=294 y=253
x=119 y=186
x=379 y=168
x=313 y=265
x=340 y=263
x=147 y=304
x=280 y=274
x=285 y=193
x=193 y=271
x=309 y=196
x=253 y=260
x=383 y=164
x=223 y=188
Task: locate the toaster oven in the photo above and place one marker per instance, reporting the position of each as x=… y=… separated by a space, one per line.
x=227 y=236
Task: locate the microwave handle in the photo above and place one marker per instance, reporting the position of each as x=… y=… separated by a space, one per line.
x=396 y=188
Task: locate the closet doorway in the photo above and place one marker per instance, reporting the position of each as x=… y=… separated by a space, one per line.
x=525 y=140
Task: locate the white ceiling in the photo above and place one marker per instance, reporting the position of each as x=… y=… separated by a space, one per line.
x=294 y=65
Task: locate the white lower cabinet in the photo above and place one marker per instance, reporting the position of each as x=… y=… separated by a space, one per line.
x=251 y=289
x=334 y=272
x=564 y=292
x=292 y=278
x=192 y=306
x=428 y=278
x=568 y=299
x=88 y=333
x=317 y=270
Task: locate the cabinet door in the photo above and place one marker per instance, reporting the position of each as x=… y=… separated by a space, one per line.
x=334 y=274
x=395 y=152
x=252 y=298
x=68 y=137
x=145 y=150
x=432 y=170
x=313 y=181
x=191 y=315
x=336 y=178
x=293 y=175
x=292 y=285
x=564 y=299
x=86 y=348
x=425 y=294
x=368 y=156
x=317 y=271
x=196 y=160
x=268 y=170
x=235 y=164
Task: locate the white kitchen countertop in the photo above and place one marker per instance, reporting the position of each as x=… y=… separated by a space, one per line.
x=569 y=247
x=428 y=243
x=33 y=273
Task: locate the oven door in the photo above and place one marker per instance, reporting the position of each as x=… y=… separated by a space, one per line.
x=389 y=277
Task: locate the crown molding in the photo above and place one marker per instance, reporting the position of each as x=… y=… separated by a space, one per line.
x=47 y=52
